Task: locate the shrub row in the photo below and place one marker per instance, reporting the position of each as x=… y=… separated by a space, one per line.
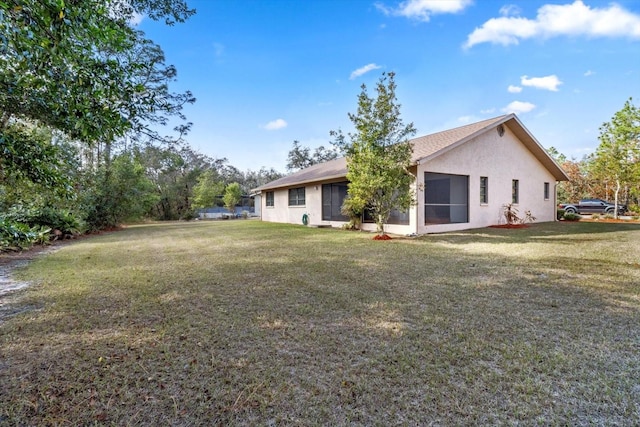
x=22 y=227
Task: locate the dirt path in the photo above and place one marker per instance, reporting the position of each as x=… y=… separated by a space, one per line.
x=9 y=261
x=9 y=286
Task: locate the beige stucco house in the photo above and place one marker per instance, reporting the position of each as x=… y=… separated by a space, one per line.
x=464 y=177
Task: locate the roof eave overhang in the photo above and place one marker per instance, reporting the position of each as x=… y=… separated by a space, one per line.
x=300 y=183
x=464 y=140
x=530 y=141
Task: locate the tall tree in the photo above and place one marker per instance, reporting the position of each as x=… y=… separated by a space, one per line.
x=300 y=157
x=378 y=154
x=617 y=158
x=579 y=185
x=232 y=196
x=79 y=66
x=27 y=153
x=118 y=192
x=80 y=69
x=254 y=179
x=208 y=189
x=174 y=172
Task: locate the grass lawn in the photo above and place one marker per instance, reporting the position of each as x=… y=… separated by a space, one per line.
x=250 y=323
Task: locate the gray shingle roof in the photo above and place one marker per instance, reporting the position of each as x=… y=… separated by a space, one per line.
x=326 y=171
x=425 y=148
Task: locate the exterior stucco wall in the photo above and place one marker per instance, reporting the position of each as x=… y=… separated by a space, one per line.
x=501 y=159
x=282 y=212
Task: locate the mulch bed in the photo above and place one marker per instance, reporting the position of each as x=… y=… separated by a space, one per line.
x=381 y=237
x=509 y=226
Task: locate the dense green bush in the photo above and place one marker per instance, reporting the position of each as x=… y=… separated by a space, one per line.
x=18 y=236
x=570 y=216
x=55 y=219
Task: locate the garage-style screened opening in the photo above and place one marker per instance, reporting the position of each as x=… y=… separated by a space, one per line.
x=446 y=198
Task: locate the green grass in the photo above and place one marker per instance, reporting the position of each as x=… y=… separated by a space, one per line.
x=249 y=323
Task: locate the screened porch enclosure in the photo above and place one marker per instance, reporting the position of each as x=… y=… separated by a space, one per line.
x=332 y=198
x=446 y=198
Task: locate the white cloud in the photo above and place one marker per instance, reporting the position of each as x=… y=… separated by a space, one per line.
x=135 y=19
x=548 y=82
x=363 y=70
x=465 y=119
x=575 y=19
x=589 y=73
x=422 y=10
x=510 y=10
x=519 y=107
x=488 y=111
x=514 y=89
x=276 y=124
x=119 y=8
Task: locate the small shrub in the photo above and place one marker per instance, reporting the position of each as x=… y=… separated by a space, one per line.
x=54 y=219
x=528 y=217
x=245 y=214
x=353 y=224
x=559 y=214
x=510 y=213
x=570 y=216
x=608 y=216
x=18 y=236
x=635 y=217
x=189 y=215
x=595 y=216
x=352 y=210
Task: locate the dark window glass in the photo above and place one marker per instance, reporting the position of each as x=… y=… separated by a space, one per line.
x=296 y=196
x=546 y=191
x=333 y=196
x=515 y=191
x=269 y=198
x=399 y=217
x=395 y=217
x=484 y=190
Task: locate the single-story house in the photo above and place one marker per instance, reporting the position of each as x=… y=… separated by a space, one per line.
x=463 y=179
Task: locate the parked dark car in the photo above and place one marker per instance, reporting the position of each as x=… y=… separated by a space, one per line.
x=593 y=206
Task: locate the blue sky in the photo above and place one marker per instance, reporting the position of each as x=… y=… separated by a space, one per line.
x=266 y=73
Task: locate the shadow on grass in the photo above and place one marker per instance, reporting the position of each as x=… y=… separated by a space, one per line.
x=567 y=232
x=275 y=324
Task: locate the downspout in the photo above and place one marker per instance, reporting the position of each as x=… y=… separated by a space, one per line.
x=555 y=201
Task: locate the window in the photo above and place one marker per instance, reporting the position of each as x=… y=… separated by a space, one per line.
x=446 y=198
x=296 y=196
x=332 y=197
x=515 y=191
x=484 y=190
x=546 y=191
x=269 y=198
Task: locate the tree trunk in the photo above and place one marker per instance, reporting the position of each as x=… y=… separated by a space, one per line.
x=380 y=225
x=615 y=202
